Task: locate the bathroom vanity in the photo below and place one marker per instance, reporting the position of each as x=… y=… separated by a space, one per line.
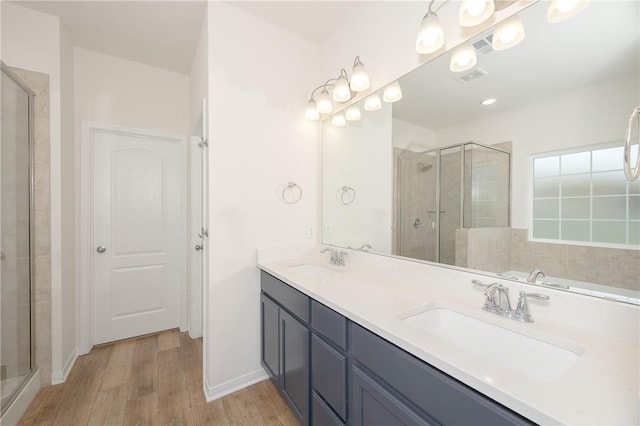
x=379 y=342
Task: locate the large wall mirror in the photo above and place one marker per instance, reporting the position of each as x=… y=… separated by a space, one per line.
x=532 y=182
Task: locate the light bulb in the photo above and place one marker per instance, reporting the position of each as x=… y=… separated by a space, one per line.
x=311 y=113
x=463 y=58
x=475 y=12
x=359 y=78
x=508 y=33
x=372 y=103
x=430 y=35
x=353 y=113
x=323 y=102
x=341 y=91
x=338 y=120
x=392 y=93
x=561 y=10
x=489 y=101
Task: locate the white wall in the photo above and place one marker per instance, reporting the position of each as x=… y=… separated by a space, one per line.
x=359 y=156
x=259 y=80
x=31 y=40
x=592 y=115
x=69 y=205
x=414 y=138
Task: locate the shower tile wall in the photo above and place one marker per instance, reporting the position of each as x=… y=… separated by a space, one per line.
x=450 y=182
x=39 y=83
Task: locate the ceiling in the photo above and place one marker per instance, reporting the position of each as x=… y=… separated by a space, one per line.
x=600 y=44
x=162 y=34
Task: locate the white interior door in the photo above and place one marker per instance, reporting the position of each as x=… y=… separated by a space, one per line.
x=138 y=233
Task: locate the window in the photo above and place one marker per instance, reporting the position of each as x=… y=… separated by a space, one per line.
x=584 y=197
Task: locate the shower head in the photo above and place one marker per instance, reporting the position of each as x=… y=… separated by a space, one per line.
x=423 y=167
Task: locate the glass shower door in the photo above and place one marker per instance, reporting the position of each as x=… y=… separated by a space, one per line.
x=15 y=246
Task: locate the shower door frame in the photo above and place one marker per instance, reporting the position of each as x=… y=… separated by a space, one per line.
x=32 y=326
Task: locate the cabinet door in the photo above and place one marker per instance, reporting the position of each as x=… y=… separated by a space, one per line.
x=373 y=405
x=270 y=350
x=295 y=365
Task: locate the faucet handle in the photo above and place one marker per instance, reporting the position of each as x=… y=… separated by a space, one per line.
x=479 y=283
x=523 y=306
x=537 y=296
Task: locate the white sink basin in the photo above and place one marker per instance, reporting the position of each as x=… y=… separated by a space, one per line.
x=313 y=270
x=535 y=358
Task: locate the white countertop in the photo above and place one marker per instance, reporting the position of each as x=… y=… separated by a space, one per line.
x=601 y=387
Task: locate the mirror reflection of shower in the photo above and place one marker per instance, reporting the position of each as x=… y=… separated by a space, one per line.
x=440 y=192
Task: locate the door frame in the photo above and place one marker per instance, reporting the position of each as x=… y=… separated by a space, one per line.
x=85 y=293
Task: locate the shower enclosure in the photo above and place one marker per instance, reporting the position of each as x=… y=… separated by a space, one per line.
x=442 y=191
x=16 y=313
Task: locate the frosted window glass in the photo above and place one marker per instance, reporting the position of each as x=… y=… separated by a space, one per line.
x=610 y=208
x=543 y=209
x=607 y=159
x=579 y=162
x=547 y=187
x=609 y=232
x=609 y=183
x=576 y=185
x=549 y=229
x=634 y=208
x=575 y=230
x=549 y=166
x=634 y=233
x=576 y=208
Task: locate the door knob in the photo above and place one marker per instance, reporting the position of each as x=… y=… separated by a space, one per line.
x=101 y=249
x=198 y=247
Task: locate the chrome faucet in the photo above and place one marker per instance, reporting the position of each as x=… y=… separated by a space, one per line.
x=365 y=247
x=336 y=257
x=497 y=301
x=533 y=276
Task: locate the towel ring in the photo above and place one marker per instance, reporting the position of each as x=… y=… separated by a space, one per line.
x=292 y=193
x=630 y=174
x=348 y=195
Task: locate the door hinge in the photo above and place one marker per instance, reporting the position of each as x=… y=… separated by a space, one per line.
x=204 y=233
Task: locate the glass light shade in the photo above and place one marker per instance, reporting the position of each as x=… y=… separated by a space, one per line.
x=359 y=78
x=323 y=102
x=430 y=35
x=341 y=91
x=338 y=120
x=353 y=113
x=475 y=12
x=311 y=113
x=392 y=93
x=372 y=103
x=561 y=10
x=508 y=34
x=463 y=58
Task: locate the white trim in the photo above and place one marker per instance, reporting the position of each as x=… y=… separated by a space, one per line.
x=58 y=377
x=19 y=406
x=226 y=388
x=86 y=238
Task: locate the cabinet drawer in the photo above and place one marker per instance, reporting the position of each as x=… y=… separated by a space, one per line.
x=440 y=396
x=290 y=298
x=329 y=375
x=322 y=415
x=329 y=323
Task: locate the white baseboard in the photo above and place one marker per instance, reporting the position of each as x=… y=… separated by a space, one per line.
x=58 y=377
x=19 y=406
x=212 y=393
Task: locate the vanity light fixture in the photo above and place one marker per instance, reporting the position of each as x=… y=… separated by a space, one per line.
x=463 y=58
x=338 y=89
x=508 y=33
x=353 y=113
x=338 y=120
x=431 y=34
x=392 y=93
x=561 y=10
x=489 y=101
x=372 y=103
x=475 y=12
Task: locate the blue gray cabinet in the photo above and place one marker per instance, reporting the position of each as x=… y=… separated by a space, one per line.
x=333 y=372
x=285 y=342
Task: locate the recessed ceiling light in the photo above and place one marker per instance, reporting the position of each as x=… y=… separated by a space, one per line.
x=488 y=101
